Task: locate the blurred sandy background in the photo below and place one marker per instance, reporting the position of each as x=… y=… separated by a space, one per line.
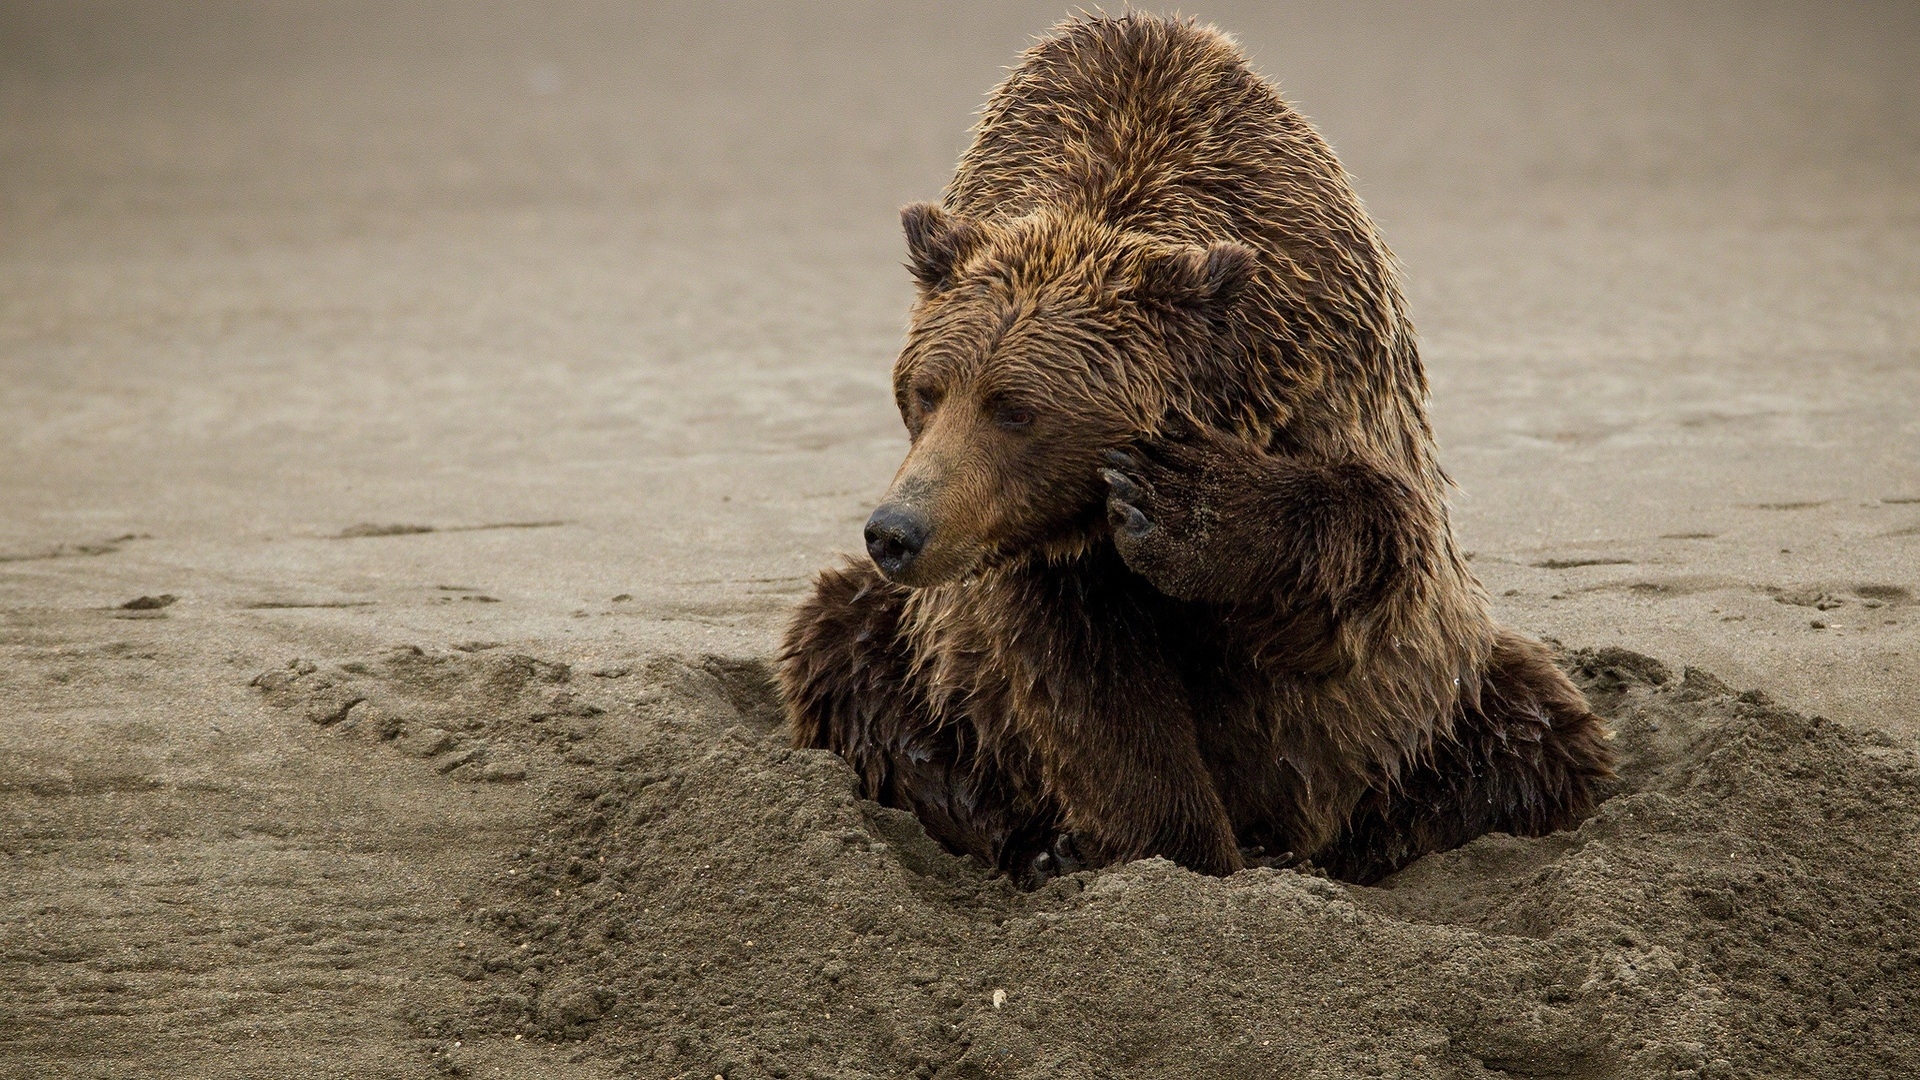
x=605 y=297
x=269 y=271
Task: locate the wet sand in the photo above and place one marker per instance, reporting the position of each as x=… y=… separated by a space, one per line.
x=563 y=333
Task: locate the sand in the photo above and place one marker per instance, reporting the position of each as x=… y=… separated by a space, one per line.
x=551 y=342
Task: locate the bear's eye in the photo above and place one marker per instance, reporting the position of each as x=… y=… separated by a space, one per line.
x=1013 y=417
x=926 y=398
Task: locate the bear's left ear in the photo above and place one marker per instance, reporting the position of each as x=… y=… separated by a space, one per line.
x=936 y=242
x=1193 y=275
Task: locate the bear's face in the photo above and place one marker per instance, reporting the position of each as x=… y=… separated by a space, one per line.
x=1035 y=348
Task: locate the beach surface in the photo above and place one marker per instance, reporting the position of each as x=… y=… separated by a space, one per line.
x=417 y=422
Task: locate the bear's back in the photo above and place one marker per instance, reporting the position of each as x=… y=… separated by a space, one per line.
x=1160 y=126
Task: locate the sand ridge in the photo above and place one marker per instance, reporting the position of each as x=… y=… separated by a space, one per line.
x=704 y=900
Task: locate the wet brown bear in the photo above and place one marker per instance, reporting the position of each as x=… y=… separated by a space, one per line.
x=1168 y=569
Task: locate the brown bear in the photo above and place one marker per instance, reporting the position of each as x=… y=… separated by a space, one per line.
x=1168 y=568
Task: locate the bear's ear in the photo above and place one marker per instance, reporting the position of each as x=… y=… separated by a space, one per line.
x=1194 y=275
x=936 y=242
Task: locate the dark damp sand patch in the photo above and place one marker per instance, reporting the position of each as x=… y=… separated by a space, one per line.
x=144 y=607
x=149 y=603
x=369 y=529
x=69 y=551
x=705 y=900
x=1904 y=500
x=1805 y=505
x=1685 y=585
x=295 y=605
x=357 y=532
x=1569 y=564
x=1648 y=588
x=465 y=594
x=1689 y=536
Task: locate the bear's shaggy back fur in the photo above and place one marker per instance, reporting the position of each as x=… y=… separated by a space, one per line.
x=1160 y=128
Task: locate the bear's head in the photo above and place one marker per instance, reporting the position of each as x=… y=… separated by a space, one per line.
x=1036 y=345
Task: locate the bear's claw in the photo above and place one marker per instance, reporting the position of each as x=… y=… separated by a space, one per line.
x=1063 y=857
x=1122 y=493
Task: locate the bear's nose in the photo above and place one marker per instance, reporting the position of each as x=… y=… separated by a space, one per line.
x=895 y=535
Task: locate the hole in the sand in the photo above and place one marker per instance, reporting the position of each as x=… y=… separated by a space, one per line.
x=750 y=688
x=1751 y=872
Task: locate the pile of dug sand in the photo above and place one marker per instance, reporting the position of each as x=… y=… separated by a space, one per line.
x=708 y=902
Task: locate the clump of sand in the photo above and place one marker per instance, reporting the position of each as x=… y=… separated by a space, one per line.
x=707 y=902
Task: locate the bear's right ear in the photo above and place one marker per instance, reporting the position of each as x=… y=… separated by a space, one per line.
x=936 y=242
x=1215 y=273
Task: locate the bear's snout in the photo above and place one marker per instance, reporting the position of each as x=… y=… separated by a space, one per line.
x=895 y=535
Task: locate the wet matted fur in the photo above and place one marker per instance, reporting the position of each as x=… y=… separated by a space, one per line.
x=1184 y=582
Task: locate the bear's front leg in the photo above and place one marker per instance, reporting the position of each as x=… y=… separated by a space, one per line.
x=1082 y=659
x=1210 y=517
x=1132 y=783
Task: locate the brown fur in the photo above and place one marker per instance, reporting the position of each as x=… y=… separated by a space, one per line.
x=1187 y=585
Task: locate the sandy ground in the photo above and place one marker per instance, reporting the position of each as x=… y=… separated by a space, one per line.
x=560 y=333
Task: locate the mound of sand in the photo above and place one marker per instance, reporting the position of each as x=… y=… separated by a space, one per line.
x=707 y=902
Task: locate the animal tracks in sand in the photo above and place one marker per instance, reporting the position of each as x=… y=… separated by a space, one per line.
x=80 y=550
x=704 y=900
x=1821 y=596
x=1873 y=605
x=368 y=529
x=144 y=607
x=150 y=603
x=1573 y=563
x=1827 y=598
x=295 y=605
